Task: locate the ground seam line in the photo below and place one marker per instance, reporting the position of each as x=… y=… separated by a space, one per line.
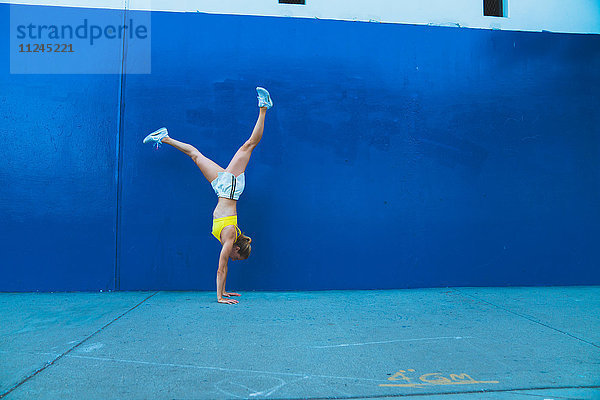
x=48 y=364
x=545 y=396
x=526 y=317
x=222 y=369
x=385 y=396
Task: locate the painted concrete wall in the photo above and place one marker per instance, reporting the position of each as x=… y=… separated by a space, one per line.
x=57 y=178
x=396 y=156
x=574 y=16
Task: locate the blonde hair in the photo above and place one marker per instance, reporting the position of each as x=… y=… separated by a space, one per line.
x=243 y=242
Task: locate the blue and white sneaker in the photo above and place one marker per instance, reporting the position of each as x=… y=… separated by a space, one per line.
x=264 y=99
x=157 y=136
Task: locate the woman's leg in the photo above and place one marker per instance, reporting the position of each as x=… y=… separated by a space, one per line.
x=209 y=168
x=238 y=163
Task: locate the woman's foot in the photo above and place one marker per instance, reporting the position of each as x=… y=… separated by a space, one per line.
x=264 y=99
x=157 y=137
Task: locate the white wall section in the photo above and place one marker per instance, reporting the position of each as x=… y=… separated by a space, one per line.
x=571 y=16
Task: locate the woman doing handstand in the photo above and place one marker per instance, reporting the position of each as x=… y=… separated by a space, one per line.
x=228 y=184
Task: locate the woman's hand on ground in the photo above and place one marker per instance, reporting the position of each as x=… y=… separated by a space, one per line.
x=227 y=301
x=227 y=294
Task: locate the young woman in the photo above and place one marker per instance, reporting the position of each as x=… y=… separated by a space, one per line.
x=228 y=184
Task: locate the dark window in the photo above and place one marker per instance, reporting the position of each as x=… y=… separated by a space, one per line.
x=492 y=8
x=292 y=1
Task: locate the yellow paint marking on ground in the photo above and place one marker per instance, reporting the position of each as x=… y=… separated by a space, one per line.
x=433 y=384
x=432 y=379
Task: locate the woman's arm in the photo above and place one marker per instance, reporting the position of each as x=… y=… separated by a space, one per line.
x=222 y=272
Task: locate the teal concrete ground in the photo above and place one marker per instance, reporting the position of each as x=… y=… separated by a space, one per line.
x=450 y=343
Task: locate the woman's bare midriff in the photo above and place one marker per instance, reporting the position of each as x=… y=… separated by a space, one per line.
x=225 y=208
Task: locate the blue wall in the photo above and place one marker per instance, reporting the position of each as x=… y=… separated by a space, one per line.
x=57 y=178
x=395 y=156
